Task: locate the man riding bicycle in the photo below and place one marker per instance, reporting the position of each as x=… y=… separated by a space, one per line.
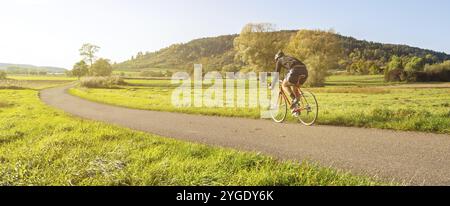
x=296 y=77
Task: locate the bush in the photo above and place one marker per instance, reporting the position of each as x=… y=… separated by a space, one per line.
x=102 y=82
x=375 y=69
x=417 y=77
x=438 y=72
x=394 y=75
x=150 y=73
x=2 y=75
x=431 y=73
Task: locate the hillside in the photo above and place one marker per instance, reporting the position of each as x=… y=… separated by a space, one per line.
x=217 y=52
x=213 y=51
x=26 y=68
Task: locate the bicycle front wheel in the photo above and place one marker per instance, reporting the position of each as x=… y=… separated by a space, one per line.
x=309 y=109
x=279 y=110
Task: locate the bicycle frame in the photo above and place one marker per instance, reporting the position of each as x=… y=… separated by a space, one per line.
x=302 y=110
x=283 y=95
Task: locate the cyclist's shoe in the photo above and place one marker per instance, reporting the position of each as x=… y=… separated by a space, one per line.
x=295 y=113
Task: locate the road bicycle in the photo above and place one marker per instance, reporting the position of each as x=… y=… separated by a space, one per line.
x=306 y=111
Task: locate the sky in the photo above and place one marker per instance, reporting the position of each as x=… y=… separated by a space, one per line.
x=50 y=32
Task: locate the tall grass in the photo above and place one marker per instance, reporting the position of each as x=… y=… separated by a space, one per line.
x=102 y=82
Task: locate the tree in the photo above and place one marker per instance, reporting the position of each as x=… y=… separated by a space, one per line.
x=415 y=64
x=394 y=69
x=320 y=50
x=431 y=59
x=395 y=63
x=375 y=69
x=101 y=67
x=257 y=45
x=139 y=55
x=80 y=69
x=88 y=52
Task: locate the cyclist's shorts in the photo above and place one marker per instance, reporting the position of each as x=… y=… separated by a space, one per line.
x=298 y=75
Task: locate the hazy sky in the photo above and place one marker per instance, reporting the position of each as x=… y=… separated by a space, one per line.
x=50 y=32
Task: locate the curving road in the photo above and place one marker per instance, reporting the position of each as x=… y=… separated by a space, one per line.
x=410 y=158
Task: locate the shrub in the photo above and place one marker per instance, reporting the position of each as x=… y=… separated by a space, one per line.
x=150 y=73
x=438 y=72
x=12 y=84
x=431 y=73
x=102 y=82
x=2 y=75
x=394 y=75
x=375 y=69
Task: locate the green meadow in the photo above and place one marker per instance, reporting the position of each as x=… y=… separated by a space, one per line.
x=358 y=101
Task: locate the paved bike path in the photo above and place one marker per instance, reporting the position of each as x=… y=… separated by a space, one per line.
x=408 y=157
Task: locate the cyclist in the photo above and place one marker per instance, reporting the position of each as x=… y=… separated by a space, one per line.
x=296 y=77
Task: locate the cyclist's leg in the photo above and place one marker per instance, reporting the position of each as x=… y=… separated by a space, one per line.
x=301 y=80
x=291 y=81
x=287 y=84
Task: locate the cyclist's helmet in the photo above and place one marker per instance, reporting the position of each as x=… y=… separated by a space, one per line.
x=279 y=55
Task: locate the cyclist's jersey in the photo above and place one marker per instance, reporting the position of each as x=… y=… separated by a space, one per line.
x=289 y=63
x=297 y=71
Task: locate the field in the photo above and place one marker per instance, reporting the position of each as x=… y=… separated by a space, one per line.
x=357 y=80
x=127 y=73
x=43 y=146
x=137 y=74
x=360 y=101
x=43 y=78
x=34 y=82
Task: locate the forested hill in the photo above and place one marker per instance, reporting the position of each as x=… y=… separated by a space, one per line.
x=215 y=51
x=218 y=52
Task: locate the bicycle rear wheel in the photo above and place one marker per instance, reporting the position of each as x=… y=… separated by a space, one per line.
x=309 y=109
x=279 y=110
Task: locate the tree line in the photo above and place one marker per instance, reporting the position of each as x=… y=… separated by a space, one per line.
x=24 y=70
x=417 y=69
x=90 y=65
